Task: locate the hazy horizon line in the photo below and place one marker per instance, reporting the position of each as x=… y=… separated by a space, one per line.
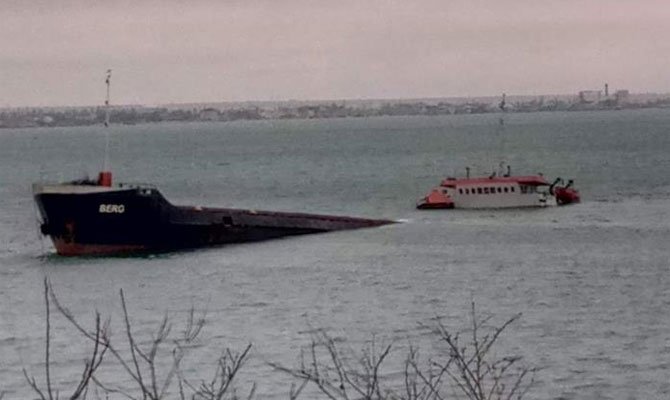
x=330 y=100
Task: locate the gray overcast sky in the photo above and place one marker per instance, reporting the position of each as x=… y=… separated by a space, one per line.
x=56 y=52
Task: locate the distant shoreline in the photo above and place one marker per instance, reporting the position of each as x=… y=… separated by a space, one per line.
x=266 y=110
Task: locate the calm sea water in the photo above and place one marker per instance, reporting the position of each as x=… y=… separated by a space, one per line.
x=592 y=280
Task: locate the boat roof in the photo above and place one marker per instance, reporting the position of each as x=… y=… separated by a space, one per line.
x=81 y=188
x=532 y=180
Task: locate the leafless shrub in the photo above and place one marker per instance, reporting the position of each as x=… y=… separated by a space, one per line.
x=469 y=366
x=473 y=367
x=144 y=360
x=325 y=365
x=100 y=337
x=220 y=385
x=422 y=383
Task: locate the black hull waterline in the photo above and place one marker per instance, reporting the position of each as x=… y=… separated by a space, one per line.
x=98 y=220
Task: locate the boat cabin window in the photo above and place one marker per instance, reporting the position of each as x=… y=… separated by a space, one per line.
x=493 y=190
x=512 y=189
x=479 y=190
x=499 y=190
x=506 y=189
x=460 y=191
x=486 y=190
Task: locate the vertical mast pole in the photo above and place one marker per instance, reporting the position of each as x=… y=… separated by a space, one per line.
x=105 y=165
x=105 y=176
x=501 y=134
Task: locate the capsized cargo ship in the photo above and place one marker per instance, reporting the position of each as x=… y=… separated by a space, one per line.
x=98 y=218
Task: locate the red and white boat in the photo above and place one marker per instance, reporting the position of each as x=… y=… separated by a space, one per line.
x=494 y=191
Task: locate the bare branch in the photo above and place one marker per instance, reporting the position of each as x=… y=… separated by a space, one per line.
x=432 y=382
x=137 y=376
x=109 y=390
x=96 y=359
x=476 y=373
x=33 y=384
x=228 y=366
x=47 y=364
x=331 y=374
x=68 y=315
x=293 y=392
x=99 y=337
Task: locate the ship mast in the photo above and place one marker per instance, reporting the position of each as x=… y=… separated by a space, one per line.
x=107 y=82
x=105 y=176
x=501 y=137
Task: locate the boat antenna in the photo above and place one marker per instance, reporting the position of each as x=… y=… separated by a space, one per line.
x=105 y=176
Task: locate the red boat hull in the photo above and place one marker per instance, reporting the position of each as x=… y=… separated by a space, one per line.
x=436 y=200
x=566 y=196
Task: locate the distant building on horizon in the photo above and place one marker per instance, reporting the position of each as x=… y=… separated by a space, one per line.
x=621 y=95
x=210 y=114
x=590 y=96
